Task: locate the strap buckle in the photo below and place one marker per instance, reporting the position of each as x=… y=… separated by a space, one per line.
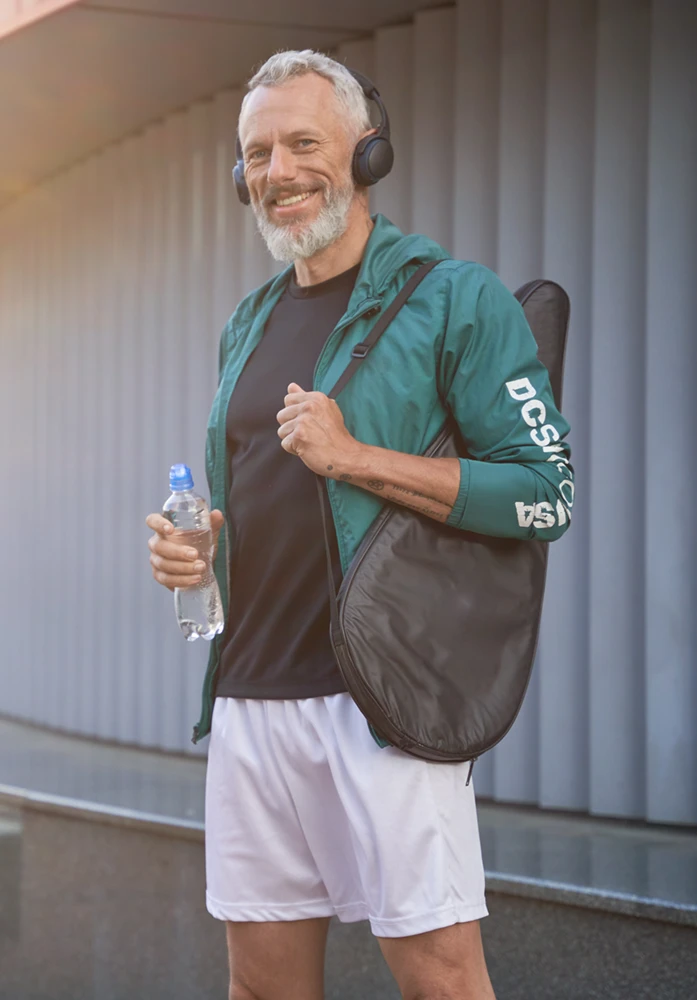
x=360 y=350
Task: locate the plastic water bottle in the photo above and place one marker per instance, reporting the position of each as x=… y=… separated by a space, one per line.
x=199 y=608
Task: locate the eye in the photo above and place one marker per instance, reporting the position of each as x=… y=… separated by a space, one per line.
x=304 y=143
x=256 y=154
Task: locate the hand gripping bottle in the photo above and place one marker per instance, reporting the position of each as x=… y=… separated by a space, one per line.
x=198 y=608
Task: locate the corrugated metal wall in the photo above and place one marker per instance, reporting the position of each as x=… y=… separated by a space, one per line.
x=541 y=137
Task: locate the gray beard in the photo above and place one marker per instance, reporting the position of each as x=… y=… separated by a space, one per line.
x=286 y=246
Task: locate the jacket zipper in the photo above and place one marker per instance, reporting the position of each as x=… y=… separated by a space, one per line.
x=369 y=306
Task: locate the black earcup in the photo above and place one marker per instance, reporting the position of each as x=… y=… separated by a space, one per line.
x=372 y=160
x=241 y=183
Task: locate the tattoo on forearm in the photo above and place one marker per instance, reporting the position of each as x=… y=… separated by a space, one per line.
x=401 y=495
x=437 y=515
x=414 y=493
x=377 y=484
x=345 y=477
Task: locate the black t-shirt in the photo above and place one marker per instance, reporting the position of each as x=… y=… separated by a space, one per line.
x=276 y=643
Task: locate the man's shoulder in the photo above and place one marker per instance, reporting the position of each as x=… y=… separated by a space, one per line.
x=469 y=271
x=468 y=280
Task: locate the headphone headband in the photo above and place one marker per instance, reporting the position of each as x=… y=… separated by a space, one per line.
x=372 y=158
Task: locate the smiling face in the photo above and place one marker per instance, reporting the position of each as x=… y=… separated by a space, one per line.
x=297 y=148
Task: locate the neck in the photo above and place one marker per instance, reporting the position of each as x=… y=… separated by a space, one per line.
x=343 y=254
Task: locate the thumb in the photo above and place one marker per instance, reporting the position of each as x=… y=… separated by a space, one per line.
x=294 y=387
x=217 y=521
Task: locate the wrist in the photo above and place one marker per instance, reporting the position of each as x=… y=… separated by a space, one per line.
x=355 y=463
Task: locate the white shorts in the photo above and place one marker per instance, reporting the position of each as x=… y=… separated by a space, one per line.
x=306 y=816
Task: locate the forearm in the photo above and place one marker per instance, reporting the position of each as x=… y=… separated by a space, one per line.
x=427 y=485
x=505 y=499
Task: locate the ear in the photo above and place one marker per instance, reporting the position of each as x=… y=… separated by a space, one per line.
x=364 y=135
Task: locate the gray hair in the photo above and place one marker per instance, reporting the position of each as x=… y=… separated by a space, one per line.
x=284 y=66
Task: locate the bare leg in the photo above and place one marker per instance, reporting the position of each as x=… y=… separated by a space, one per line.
x=283 y=960
x=445 y=964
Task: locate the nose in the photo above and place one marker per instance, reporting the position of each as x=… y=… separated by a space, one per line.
x=282 y=165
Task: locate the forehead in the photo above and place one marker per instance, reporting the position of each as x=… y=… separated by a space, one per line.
x=307 y=101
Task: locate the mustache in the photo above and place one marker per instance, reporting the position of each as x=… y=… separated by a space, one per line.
x=287 y=191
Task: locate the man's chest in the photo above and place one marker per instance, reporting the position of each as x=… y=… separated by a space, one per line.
x=288 y=350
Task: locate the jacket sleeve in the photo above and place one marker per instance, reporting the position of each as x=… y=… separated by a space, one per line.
x=519 y=481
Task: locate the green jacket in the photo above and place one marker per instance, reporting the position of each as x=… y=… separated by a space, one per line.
x=461 y=343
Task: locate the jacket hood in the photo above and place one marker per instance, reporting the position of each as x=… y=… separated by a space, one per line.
x=388 y=250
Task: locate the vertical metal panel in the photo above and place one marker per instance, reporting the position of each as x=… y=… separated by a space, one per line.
x=563 y=655
x=109 y=490
x=432 y=128
x=671 y=416
x=521 y=141
x=127 y=403
x=162 y=411
x=148 y=658
x=520 y=155
x=616 y=585
x=394 y=76
x=117 y=276
x=53 y=492
x=11 y=411
x=67 y=452
x=476 y=130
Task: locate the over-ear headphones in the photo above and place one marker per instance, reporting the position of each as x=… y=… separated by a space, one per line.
x=372 y=158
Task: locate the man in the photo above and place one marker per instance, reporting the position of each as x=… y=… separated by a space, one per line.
x=307 y=816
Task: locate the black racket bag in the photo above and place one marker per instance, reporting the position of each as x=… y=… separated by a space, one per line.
x=435 y=629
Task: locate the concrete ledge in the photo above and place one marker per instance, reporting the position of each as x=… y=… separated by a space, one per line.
x=635 y=870
x=593 y=898
x=98 y=812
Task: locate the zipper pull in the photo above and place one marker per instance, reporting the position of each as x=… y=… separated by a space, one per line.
x=469 y=774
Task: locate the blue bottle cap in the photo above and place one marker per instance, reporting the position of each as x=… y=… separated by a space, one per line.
x=180 y=478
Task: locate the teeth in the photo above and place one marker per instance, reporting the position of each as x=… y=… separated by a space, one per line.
x=295 y=198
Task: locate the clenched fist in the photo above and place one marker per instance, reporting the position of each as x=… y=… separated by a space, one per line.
x=312 y=427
